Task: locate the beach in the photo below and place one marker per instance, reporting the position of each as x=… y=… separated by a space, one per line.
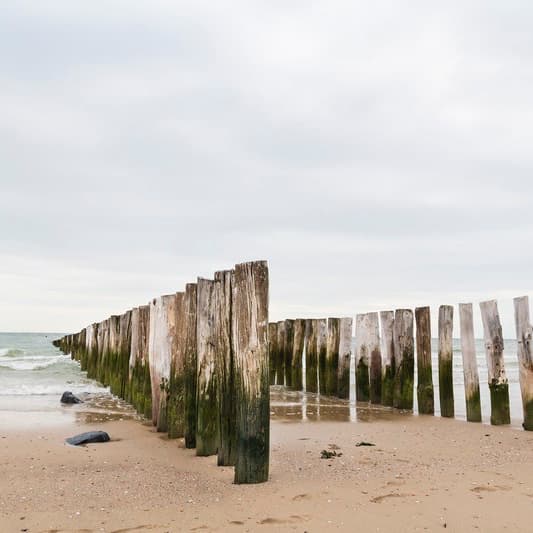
x=423 y=473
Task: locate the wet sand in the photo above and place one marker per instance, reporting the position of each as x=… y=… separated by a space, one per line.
x=424 y=473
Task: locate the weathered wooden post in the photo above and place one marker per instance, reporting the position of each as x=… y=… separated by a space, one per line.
x=225 y=370
x=498 y=384
x=332 y=357
x=321 y=350
x=161 y=344
x=404 y=359
x=207 y=429
x=297 y=354
x=176 y=381
x=311 y=359
x=191 y=365
x=345 y=354
x=470 y=372
x=273 y=350
x=387 y=349
x=288 y=349
x=280 y=363
x=423 y=358
x=374 y=349
x=250 y=344
x=446 y=361
x=139 y=368
x=524 y=336
x=362 y=359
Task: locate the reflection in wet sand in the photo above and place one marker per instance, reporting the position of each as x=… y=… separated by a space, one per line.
x=296 y=406
x=98 y=408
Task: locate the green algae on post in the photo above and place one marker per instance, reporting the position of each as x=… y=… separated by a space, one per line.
x=297 y=354
x=497 y=379
x=288 y=342
x=446 y=361
x=191 y=364
x=250 y=345
x=345 y=355
x=332 y=357
x=404 y=359
x=272 y=351
x=321 y=350
x=423 y=359
x=207 y=429
x=388 y=368
x=311 y=359
x=524 y=337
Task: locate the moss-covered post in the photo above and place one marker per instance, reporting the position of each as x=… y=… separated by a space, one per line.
x=273 y=350
x=191 y=365
x=388 y=369
x=374 y=348
x=288 y=349
x=470 y=372
x=176 y=382
x=140 y=387
x=207 y=429
x=446 y=361
x=345 y=354
x=524 y=338
x=280 y=361
x=362 y=359
x=225 y=371
x=332 y=357
x=161 y=346
x=250 y=341
x=311 y=358
x=424 y=390
x=404 y=359
x=498 y=384
x=321 y=350
x=297 y=354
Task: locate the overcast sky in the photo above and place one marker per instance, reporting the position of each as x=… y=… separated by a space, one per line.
x=377 y=154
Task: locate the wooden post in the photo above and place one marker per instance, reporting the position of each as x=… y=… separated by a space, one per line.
x=524 y=335
x=288 y=349
x=404 y=359
x=176 y=382
x=387 y=349
x=321 y=350
x=498 y=384
x=207 y=429
x=311 y=363
x=423 y=359
x=250 y=344
x=280 y=362
x=345 y=354
x=225 y=370
x=273 y=350
x=139 y=369
x=332 y=357
x=446 y=361
x=191 y=365
x=362 y=359
x=470 y=373
x=297 y=354
x=374 y=350
x=161 y=344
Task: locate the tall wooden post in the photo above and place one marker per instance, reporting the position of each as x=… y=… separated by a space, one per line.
x=374 y=350
x=321 y=348
x=446 y=361
x=498 y=384
x=273 y=350
x=470 y=372
x=311 y=358
x=207 y=429
x=423 y=359
x=250 y=344
x=524 y=337
x=387 y=349
x=362 y=359
x=225 y=368
x=191 y=365
x=332 y=357
x=139 y=369
x=297 y=354
x=288 y=349
x=345 y=354
x=280 y=363
x=404 y=359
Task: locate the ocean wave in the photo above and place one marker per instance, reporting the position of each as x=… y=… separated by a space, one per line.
x=56 y=389
x=37 y=362
x=11 y=352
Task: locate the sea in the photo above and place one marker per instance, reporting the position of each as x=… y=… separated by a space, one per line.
x=34 y=374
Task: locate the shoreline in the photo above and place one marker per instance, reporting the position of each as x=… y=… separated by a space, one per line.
x=423 y=472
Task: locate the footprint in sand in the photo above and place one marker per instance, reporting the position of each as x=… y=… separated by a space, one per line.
x=291 y=519
x=379 y=499
x=489 y=488
x=299 y=497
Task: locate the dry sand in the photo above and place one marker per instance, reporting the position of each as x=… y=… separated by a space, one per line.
x=423 y=473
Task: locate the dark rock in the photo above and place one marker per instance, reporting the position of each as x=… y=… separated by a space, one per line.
x=363 y=443
x=68 y=397
x=325 y=454
x=88 y=437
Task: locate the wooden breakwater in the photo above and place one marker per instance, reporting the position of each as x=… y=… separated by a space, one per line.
x=384 y=359
x=196 y=363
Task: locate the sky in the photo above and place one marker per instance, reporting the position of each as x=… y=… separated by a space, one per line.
x=377 y=154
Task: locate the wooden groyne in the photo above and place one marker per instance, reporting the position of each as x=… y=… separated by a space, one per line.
x=196 y=363
x=383 y=358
